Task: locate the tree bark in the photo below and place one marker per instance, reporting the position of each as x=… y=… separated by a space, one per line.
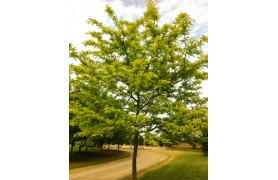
x=134 y=156
x=100 y=146
x=79 y=151
x=71 y=150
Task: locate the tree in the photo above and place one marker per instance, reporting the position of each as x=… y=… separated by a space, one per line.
x=191 y=121
x=150 y=139
x=91 y=108
x=121 y=135
x=72 y=140
x=144 y=69
x=204 y=138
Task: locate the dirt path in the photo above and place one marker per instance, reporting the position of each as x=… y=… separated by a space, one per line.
x=120 y=169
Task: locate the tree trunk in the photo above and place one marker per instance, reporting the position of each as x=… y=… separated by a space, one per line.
x=71 y=150
x=86 y=148
x=108 y=146
x=134 y=156
x=79 y=150
x=100 y=146
x=72 y=144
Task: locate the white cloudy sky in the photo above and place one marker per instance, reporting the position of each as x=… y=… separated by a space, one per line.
x=81 y=10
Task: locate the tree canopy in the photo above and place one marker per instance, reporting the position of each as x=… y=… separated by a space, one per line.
x=138 y=75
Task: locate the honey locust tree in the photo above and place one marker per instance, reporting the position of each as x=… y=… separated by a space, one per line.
x=146 y=67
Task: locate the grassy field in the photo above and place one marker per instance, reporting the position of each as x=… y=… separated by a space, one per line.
x=191 y=165
x=92 y=157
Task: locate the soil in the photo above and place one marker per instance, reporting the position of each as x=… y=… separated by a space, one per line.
x=121 y=169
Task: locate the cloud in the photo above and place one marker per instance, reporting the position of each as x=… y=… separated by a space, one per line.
x=138 y=3
x=197 y=9
x=199 y=29
x=128 y=3
x=127 y=9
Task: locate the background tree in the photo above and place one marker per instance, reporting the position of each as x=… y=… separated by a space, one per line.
x=91 y=108
x=204 y=138
x=189 y=121
x=142 y=69
x=122 y=135
x=72 y=139
x=151 y=139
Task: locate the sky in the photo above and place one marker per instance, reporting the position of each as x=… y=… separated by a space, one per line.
x=81 y=10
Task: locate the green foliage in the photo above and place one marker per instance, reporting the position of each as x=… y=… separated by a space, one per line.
x=146 y=66
x=141 y=140
x=204 y=139
x=150 y=139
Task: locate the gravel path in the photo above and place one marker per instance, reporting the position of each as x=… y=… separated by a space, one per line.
x=121 y=168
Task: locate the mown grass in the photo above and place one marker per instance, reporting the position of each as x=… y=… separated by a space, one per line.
x=92 y=157
x=191 y=165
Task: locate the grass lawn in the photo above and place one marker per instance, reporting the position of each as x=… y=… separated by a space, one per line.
x=191 y=165
x=92 y=157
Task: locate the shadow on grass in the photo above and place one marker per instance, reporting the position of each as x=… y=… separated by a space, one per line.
x=93 y=157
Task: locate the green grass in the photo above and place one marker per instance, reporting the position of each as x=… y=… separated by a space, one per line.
x=191 y=165
x=92 y=157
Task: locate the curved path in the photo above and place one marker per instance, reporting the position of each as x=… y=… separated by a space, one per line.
x=121 y=168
